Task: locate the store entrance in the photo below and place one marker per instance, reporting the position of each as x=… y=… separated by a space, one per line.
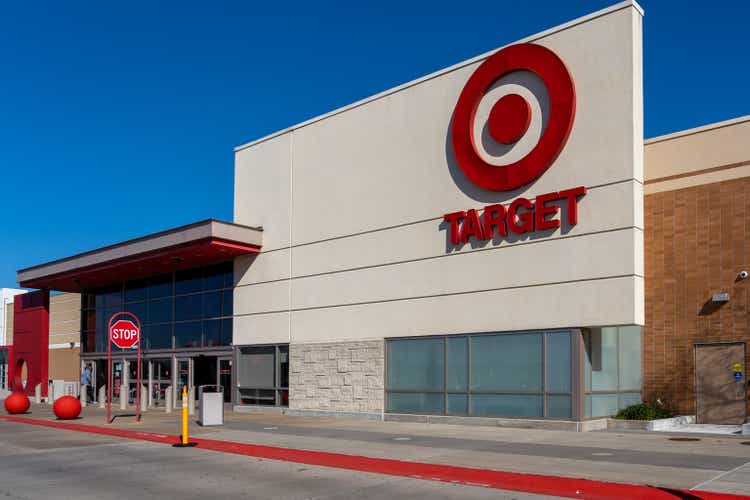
x=204 y=370
x=213 y=370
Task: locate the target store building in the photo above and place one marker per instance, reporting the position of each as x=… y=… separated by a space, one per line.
x=469 y=244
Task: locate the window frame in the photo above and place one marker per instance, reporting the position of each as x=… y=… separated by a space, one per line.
x=544 y=393
x=277 y=388
x=89 y=305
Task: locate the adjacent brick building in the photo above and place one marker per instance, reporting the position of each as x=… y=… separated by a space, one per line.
x=697 y=223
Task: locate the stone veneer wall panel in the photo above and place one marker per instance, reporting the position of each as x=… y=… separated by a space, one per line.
x=342 y=376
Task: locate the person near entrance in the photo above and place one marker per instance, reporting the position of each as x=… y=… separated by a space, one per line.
x=86 y=383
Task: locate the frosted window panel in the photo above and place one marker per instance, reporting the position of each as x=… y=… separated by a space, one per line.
x=506 y=405
x=457 y=364
x=510 y=362
x=416 y=364
x=457 y=404
x=603 y=357
x=558 y=406
x=415 y=403
x=628 y=399
x=630 y=357
x=558 y=362
x=255 y=367
x=603 y=405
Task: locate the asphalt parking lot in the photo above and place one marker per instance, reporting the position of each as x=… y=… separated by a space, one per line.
x=39 y=463
x=715 y=463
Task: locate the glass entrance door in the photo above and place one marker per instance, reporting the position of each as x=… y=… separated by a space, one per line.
x=162 y=378
x=225 y=378
x=133 y=378
x=184 y=376
x=117 y=380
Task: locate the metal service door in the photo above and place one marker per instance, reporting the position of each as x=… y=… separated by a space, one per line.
x=719 y=384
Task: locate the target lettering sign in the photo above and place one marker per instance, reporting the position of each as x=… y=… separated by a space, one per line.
x=511 y=121
x=124 y=334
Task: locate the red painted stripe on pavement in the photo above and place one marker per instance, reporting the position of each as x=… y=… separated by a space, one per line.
x=95 y=429
x=513 y=481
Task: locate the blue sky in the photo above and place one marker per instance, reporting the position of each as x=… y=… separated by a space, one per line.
x=119 y=120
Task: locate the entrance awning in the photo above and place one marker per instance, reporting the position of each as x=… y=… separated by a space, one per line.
x=201 y=243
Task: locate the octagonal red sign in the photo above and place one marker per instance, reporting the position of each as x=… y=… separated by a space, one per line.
x=124 y=334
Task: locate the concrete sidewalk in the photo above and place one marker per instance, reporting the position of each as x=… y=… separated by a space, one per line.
x=705 y=462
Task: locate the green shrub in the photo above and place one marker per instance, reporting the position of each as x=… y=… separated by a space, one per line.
x=645 y=411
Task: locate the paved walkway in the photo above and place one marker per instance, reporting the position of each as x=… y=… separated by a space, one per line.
x=713 y=463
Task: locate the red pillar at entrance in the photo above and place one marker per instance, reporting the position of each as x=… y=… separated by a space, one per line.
x=30 y=341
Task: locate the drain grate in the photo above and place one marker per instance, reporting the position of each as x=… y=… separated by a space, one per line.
x=684 y=439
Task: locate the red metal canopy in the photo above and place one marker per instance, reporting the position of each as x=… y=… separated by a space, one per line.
x=197 y=244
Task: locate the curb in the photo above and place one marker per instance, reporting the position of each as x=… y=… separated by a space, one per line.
x=513 y=481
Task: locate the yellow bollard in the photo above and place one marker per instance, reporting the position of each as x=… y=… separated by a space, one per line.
x=184 y=437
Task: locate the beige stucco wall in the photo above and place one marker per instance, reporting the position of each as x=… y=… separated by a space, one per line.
x=703 y=155
x=352 y=206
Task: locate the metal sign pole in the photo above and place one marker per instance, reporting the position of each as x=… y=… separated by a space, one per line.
x=137 y=326
x=138 y=387
x=109 y=368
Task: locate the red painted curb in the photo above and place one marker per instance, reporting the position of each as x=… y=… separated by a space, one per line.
x=513 y=481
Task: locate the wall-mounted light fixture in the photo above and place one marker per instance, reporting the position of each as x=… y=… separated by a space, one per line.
x=720 y=297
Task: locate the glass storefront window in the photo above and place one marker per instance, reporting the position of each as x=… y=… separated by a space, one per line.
x=508 y=405
x=458 y=365
x=212 y=333
x=212 y=304
x=603 y=405
x=188 y=307
x=630 y=358
x=612 y=369
x=458 y=404
x=139 y=309
x=603 y=355
x=195 y=305
x=136 y=290
x=416 y=364
x=187 y=334
x=481 y=375
x=415 y=402
x=214 y=278
x=559 y=406
x=157 y=336
x=160 y=286
x=263 y=375
x=188 y=281
x=558 y=363
x=521 y=366
x=160 y=311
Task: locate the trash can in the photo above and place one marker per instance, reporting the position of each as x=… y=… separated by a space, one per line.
x=211 y=400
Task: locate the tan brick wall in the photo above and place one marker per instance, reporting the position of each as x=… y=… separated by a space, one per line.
x=696 y=244
x=64 y=364
x=64 y=318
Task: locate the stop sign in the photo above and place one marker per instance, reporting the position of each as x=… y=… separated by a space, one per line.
x=124 y=334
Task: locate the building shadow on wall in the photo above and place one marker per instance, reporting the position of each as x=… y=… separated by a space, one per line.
x=710 y=307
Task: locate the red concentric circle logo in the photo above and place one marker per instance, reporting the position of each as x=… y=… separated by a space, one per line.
x=513 y=117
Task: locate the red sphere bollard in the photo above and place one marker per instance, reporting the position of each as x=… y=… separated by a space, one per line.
x=67 y=408
x=17 y=403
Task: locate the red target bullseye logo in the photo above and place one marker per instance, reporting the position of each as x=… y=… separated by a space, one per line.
x=511 y=118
